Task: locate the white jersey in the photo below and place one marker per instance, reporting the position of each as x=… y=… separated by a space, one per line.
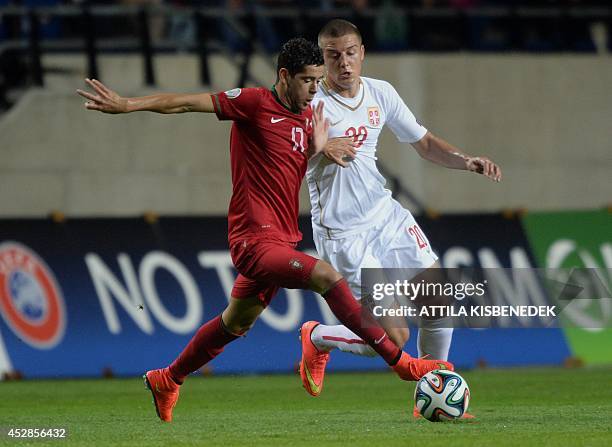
x=348 y=200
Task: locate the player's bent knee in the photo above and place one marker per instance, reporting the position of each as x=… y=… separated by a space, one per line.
x=323 y=277
x=399 y=336
x=238 y=327
x=238 y=323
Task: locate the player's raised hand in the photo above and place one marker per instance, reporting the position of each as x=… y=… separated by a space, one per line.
x=105 y=100
x=320 y=126
x=484 y=166
x=341 y=150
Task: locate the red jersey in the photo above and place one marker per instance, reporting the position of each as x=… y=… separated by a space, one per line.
x=268 y=152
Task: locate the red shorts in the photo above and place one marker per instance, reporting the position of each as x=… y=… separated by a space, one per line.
x=265 y=266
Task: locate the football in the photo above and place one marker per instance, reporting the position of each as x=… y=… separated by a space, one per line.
x=442 y=395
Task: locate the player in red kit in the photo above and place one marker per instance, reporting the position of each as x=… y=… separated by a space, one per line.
x=274 y=133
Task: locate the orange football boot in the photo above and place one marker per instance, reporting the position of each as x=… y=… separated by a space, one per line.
x=312 y=365
x=165 y=392
x=412 y=368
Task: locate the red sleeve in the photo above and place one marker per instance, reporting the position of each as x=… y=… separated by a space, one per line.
x=237 y=104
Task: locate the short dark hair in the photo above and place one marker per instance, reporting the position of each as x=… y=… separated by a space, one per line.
x=338 y=28
x=296 y=54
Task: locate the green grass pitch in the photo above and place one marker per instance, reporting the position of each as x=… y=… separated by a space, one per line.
x=549 y=407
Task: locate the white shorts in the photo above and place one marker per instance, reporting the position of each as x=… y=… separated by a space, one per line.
x=396 y=242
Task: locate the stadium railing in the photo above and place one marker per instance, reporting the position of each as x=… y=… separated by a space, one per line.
x=30 y=32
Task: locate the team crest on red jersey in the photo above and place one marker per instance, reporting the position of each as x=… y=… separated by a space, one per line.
x=31 y=301
x=296 y=264
x=374 y=116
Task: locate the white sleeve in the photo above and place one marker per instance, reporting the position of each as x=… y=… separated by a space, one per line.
x=400 y=119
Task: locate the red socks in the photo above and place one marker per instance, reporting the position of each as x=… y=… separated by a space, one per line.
x=205 y=345
x=211 y=338
x=348 y=310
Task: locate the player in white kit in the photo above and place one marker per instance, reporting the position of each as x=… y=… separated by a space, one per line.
x=356 y=222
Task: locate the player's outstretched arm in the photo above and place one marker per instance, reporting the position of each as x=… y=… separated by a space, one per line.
x=107 y=101
x=438 y=151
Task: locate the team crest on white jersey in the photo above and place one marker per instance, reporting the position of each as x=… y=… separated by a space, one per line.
x=233 y=93
x=374 y=116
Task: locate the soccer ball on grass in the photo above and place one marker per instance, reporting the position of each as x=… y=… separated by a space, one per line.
x=442 y=395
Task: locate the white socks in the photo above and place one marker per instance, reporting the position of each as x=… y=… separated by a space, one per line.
x=326 y=338
x=432 y=341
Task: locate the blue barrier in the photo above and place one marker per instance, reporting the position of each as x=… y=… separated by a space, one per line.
x=124 y=295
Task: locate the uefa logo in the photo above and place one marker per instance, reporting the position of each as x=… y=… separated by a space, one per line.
x=31 y=302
